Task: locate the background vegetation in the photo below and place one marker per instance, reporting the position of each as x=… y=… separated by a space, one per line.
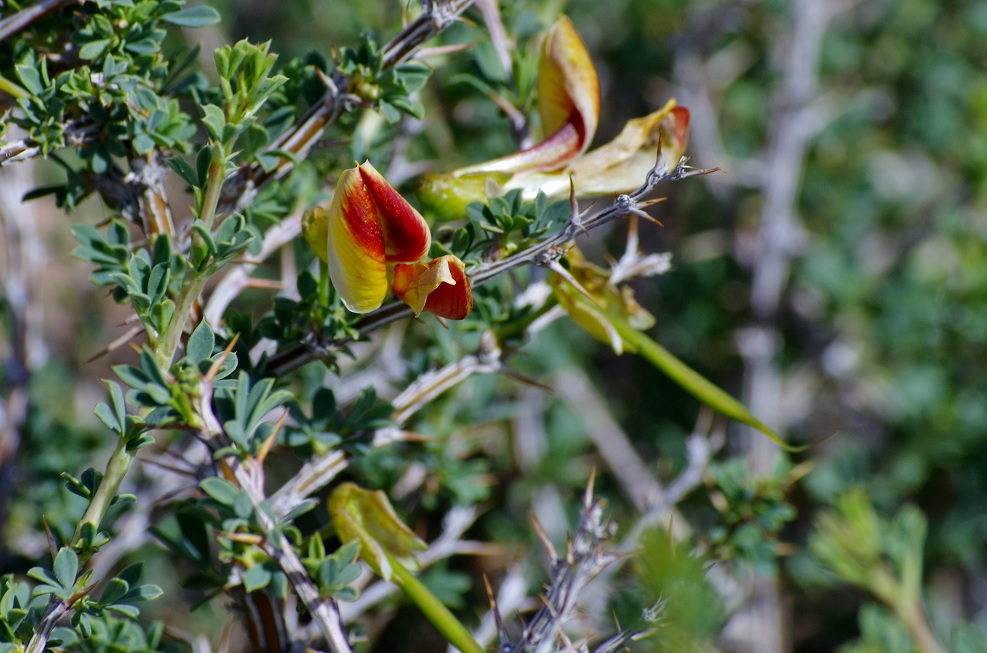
x=828 y=277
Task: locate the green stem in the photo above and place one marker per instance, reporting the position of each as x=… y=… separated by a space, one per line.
x=116 y=469
x=917 y=623
x=214 y=184
x=164 y=353
x=10 y=88
x=433 y=609
x=323 y=283
x=693 y=382
x=195 y=278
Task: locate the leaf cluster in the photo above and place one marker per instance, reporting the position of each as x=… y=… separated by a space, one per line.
x=389 y=89
x=97 y=623
x=515 y=223
x=751 y=512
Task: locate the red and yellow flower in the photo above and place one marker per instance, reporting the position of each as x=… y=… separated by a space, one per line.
x=370 y=236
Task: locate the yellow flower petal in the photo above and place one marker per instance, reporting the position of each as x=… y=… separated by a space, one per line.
x=568 y=104
x=621 y=165
x=369 y=517
x=568 y=88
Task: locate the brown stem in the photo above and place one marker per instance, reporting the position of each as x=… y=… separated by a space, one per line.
x=918 y=627
x=13 y=24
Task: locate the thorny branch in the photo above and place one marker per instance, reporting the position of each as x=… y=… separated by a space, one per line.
x=545 y=254
x=250 y=478
x=585 y=557
x=76 y=133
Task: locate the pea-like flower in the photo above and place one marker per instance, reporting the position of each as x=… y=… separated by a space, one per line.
x=439 y=286
x=371 y=234
x=569 y=108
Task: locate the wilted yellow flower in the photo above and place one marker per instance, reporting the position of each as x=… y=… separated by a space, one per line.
x=597 y=294
x=367 y=516
x=569 y=108
x=568 y=104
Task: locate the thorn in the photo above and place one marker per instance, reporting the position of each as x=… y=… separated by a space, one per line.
x=269 y=442
x=574 y=205
x=264 y=284
x=514 y=115
x=412 y=436
x=588 y=496
x=227 y=473
x=118 y=342
x=694 y=172
x=175 y=469
x=214 y=369
x=442 y=50
x=491 y=600
x=633 y=242
x=544 y=539
x=84 y=592
x=517 y=376
x=52 y=543
x=556 y=267
x=498 y=618
x=172 y=494
x=638 y=212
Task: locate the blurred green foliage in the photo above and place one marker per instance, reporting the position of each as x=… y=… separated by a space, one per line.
x=883 y=325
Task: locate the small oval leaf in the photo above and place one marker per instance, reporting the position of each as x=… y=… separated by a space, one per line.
x=193 y=17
